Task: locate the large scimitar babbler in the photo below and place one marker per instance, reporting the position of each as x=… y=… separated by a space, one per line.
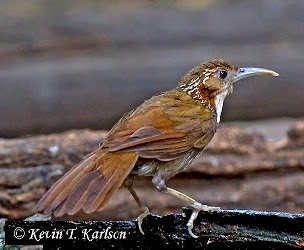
x=160 y=138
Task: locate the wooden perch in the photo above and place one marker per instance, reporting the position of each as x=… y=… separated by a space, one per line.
x=240 y=169
x=217 y=230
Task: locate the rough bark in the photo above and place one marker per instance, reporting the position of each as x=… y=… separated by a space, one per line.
x=224 y=229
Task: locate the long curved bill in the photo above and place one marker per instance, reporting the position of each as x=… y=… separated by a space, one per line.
x=247 y=72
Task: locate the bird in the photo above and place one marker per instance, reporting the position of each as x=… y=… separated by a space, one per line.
x=160 y=138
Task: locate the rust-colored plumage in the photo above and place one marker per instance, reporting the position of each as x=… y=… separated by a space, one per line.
x=160 y=138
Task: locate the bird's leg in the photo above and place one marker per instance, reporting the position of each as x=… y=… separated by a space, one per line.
x=145 y=211
x=159 y=182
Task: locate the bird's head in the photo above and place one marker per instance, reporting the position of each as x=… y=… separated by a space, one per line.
x=210 y=82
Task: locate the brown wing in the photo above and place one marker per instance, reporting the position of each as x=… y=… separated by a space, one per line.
x=164 y=127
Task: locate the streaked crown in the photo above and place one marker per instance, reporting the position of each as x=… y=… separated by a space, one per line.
x=210 y=82
x=207 y=80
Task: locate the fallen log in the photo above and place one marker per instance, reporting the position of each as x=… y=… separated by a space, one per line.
x=240 y=169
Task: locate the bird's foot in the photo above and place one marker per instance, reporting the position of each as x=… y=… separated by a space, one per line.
x=190 y=223
x=140 y=218
x=200 y=207
x=196 y=208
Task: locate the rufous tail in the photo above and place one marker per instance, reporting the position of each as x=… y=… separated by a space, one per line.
x=90 y=184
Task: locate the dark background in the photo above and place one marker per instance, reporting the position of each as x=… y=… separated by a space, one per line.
x=83 y=63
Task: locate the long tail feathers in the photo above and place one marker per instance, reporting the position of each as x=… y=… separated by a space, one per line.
x=88 y=185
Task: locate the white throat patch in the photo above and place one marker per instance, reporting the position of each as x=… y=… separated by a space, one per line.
x=219 y=101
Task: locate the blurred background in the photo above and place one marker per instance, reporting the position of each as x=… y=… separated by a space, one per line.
x=83 y=63
x=77 y=64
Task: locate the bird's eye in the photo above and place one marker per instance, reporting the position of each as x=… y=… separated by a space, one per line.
x=223 y=74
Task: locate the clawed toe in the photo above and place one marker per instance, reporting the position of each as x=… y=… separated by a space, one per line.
x=190 y=223
x=190 y=227
x=200 y=207
x=141 y=217
x=209 y=208
x=196 y=208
